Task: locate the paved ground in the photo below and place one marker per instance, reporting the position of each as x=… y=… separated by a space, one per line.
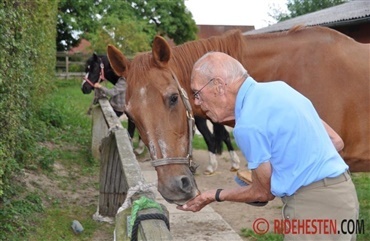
x=206 y=225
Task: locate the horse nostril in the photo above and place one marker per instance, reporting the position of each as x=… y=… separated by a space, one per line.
x=185 y=183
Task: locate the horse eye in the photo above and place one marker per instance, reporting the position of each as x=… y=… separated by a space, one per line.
x=173 y=99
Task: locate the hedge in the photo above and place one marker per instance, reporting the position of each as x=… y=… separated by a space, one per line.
x=27 y=57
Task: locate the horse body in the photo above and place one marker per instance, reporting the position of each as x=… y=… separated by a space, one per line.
x=329 y=68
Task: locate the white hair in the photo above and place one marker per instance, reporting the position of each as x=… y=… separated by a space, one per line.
x=217 y=64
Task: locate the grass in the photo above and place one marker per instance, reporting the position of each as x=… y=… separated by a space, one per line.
x=41 y=215
x=362 y=183
x=252 y=236
x=56 y=224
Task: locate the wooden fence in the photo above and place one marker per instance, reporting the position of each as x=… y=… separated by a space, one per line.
x=119 y=172
x=70 y=65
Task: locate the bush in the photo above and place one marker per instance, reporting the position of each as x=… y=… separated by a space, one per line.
x=27 y=57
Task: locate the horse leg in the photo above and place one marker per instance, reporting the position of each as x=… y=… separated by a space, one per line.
x=222 y=135
x=141 y=147
x=131 y=129
x=201 y=124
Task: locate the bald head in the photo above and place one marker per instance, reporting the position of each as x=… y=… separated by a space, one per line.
x=218 y=64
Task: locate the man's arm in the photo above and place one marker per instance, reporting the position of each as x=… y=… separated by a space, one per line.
x=259 y=190
x=334 y=137
x=117 y=89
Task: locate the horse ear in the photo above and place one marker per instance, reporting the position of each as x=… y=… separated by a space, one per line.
x=118 y=61
x=161 y=51
x=95 y=56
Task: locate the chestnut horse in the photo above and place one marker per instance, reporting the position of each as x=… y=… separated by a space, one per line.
x=329 y=68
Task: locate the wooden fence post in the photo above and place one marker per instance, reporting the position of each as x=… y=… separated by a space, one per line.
x=112 y=185
x=98 y=131
x=65 y=60
x=67 y=66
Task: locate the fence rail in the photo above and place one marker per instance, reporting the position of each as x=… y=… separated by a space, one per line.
x=70 y=64
x=119 y=172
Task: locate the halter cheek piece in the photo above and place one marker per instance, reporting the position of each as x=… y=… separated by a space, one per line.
x=191 y=127
x=101 y=76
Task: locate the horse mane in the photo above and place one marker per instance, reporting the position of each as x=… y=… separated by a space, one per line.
x=230 y=43
x=293 y=30
x=141 y=63
x=184 y=56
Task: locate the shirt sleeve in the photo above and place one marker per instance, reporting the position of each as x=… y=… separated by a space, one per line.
x=255 y=145
x=118 y=88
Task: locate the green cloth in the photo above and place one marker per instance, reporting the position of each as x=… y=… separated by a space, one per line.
x=140 y=204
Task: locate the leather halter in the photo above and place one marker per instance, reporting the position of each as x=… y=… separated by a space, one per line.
x=189 y=114
x=101 y=76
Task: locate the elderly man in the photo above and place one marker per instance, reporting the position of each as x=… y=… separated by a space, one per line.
x=288 y=149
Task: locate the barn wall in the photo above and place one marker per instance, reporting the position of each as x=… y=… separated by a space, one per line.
x=359 y=32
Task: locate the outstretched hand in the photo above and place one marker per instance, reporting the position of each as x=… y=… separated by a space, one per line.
x=196 y=204
x=97 y=85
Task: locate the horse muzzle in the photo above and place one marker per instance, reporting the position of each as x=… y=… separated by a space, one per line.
x=176 y=183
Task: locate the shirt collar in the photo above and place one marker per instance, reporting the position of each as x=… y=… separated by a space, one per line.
x=242 y=93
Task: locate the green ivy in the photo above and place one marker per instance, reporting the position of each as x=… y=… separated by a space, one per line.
x=27 y=57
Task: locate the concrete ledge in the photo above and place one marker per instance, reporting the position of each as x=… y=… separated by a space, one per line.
x=188 y=226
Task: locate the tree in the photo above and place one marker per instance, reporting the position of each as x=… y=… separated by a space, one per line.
x=170 y=17
x=129 y=37
x=301 y=7
x=127 y=23
x=75 y=17
x=119 y=25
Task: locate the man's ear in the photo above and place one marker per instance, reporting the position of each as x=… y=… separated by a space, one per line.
x=219 y=86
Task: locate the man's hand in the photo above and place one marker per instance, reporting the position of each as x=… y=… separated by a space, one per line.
x=97 y=85
x=199 y=202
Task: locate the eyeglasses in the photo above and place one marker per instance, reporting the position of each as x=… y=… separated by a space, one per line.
x=196 y=94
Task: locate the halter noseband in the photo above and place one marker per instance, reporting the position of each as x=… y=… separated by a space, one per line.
x=189 y=114
x=101 y=76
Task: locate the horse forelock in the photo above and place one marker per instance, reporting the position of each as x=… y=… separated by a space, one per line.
x=139 y=68
x=140 y=76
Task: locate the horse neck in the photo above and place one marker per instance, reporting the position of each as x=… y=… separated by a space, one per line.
x=108 y=71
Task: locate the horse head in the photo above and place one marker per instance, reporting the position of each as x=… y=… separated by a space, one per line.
x=97 y=69
x=154 y=102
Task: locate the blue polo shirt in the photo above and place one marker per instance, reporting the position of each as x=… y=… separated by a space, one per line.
x=276 y=123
